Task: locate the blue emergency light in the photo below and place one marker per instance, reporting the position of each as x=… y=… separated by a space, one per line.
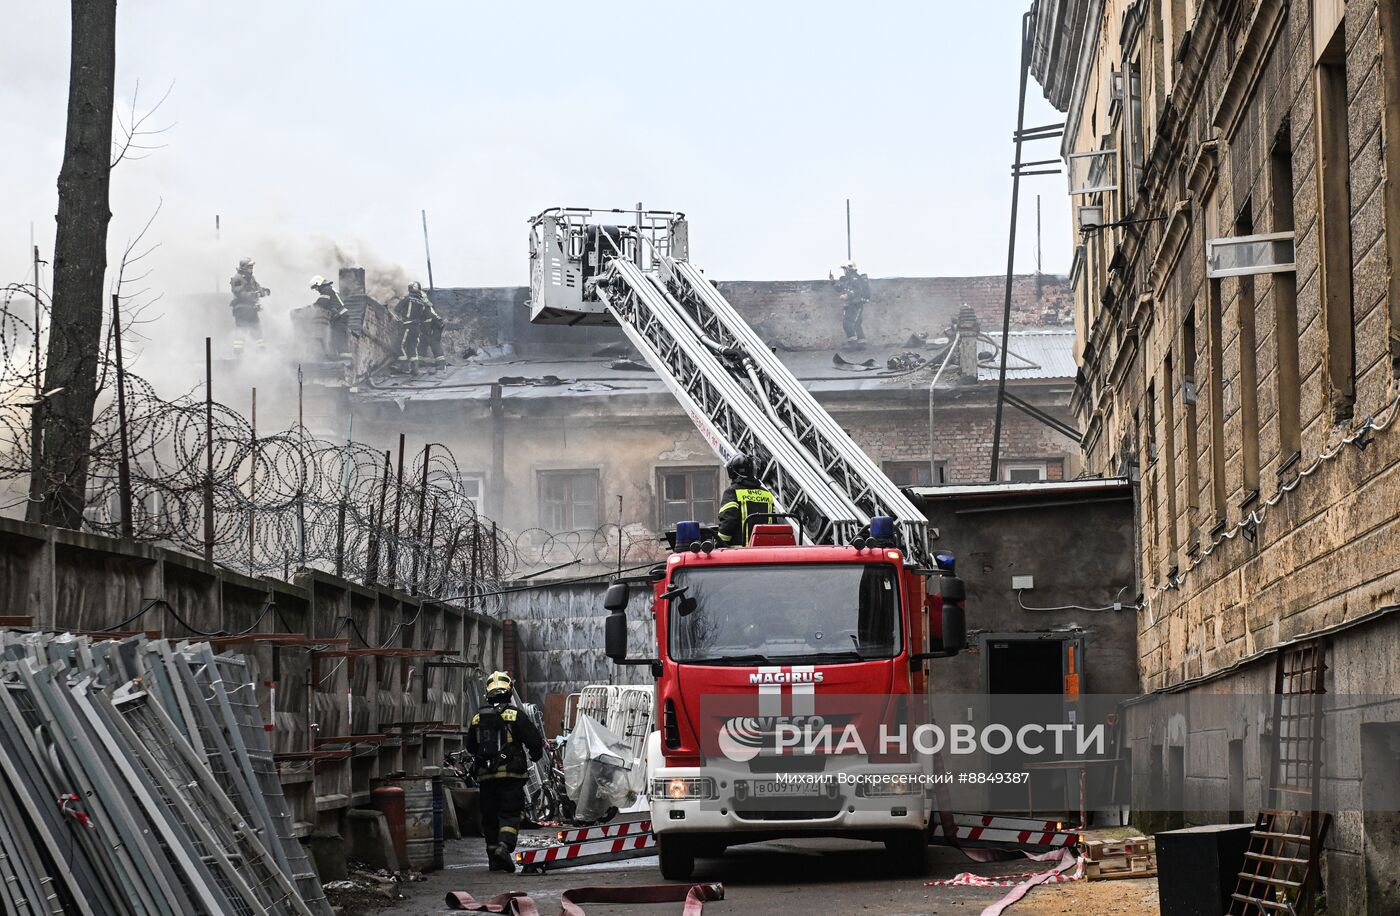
x=945 y=561
x=882 y=528
x=687 y=533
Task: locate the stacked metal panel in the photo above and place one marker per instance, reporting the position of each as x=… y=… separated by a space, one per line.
x=138 y=779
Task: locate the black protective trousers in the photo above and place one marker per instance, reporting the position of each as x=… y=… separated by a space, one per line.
x=502 y=800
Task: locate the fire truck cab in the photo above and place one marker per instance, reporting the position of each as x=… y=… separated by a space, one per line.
x=750 y=639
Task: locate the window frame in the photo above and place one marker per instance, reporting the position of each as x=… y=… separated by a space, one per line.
x=1041 y=465
x=937 y=470
x=479 y=478
x=543 y=475
x=1212 y=245
x=1109 y=171
x=690 y=470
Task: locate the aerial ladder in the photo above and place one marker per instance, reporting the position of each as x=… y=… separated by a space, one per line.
x=631 y=268
x=739 y=395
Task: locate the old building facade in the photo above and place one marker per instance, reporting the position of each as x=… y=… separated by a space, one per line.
x=1235 y=171
x=568 y=436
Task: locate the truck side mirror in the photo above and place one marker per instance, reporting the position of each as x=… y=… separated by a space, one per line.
x=615 y=599
x=615 y=631
x=954 y=594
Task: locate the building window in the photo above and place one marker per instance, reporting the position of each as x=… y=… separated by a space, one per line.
x=915 y=473
x=1389 y=15
x=1246 y=338
x=1215 y=369
x=1169 y=440
x=1285 y=301
x=687 y=494
x=1150 y=445
x=1245 y=254
x=473 y=487
x=1024 y=471
x=1217 y=401
x=1334 y=223
x=1093 y=172
x=568 y=500
x=1188 y=398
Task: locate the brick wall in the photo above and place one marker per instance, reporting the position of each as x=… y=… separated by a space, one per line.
x=962 y=438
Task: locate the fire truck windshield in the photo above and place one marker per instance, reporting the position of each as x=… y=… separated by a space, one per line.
x=755 y=614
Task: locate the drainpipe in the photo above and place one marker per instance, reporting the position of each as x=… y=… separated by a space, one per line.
x=495 y=506
x=952 y=348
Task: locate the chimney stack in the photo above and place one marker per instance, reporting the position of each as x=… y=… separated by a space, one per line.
x=968 y=329
x=352 y=282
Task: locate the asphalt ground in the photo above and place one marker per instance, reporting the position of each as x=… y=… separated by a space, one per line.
x=815 y=876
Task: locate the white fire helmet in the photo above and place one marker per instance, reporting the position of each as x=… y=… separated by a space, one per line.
x=318 y=281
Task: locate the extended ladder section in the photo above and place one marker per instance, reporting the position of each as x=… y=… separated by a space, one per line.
x=738 y=394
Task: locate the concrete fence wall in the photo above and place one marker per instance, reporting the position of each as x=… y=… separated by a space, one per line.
x=357 y=682
x=560 y=629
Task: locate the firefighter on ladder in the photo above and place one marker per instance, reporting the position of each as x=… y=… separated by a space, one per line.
x=745 y=496
x=245 y=306
x=499 y=739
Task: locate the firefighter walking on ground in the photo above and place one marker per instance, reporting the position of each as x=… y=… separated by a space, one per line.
x=245 y=305
x=413 y=312
x=332 y=310
x=499 y=739
x=745 y=496
x=854 y=289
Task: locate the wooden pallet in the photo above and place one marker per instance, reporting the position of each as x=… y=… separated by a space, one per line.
x=1096 y=850
x=1134 y=857
x=1143 y=866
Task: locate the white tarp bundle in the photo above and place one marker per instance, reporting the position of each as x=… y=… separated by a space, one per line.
x=597 y=770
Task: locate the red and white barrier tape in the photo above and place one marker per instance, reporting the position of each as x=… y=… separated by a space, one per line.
x=990 y=828
x=604 y=831
x=570 y=851
x=1022 y=883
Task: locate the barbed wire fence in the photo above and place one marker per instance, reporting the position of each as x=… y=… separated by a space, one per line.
x=204 y=479
x=265 y=502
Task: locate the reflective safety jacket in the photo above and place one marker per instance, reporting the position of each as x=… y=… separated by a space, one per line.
x=744 y=497
x=853 y=288
x=332 y=305
x=499 y=739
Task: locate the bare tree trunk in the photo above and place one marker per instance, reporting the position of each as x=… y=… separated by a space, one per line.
x=80 y=262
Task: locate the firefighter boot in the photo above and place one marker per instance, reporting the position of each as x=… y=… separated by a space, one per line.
x=500 y=858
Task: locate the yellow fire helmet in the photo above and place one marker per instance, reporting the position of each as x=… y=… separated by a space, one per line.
x=498 y=680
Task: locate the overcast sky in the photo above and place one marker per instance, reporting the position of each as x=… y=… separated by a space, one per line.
x=301 y=123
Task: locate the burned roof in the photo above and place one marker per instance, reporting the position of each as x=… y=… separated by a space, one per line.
x=613 y=370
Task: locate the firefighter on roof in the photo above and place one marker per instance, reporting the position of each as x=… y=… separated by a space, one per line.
x=333 y=310
x=245 y=306
x=745 y=496
x=499 y=738
x=414 y=313
x=854 y=290
x=430 y=334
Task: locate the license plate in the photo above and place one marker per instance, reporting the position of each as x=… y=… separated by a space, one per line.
x=770 y=788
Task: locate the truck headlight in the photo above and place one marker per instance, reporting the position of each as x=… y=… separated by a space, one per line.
x=683 y=788
x=885 y=787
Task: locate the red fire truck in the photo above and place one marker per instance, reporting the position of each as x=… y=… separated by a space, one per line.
x=839 y=595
